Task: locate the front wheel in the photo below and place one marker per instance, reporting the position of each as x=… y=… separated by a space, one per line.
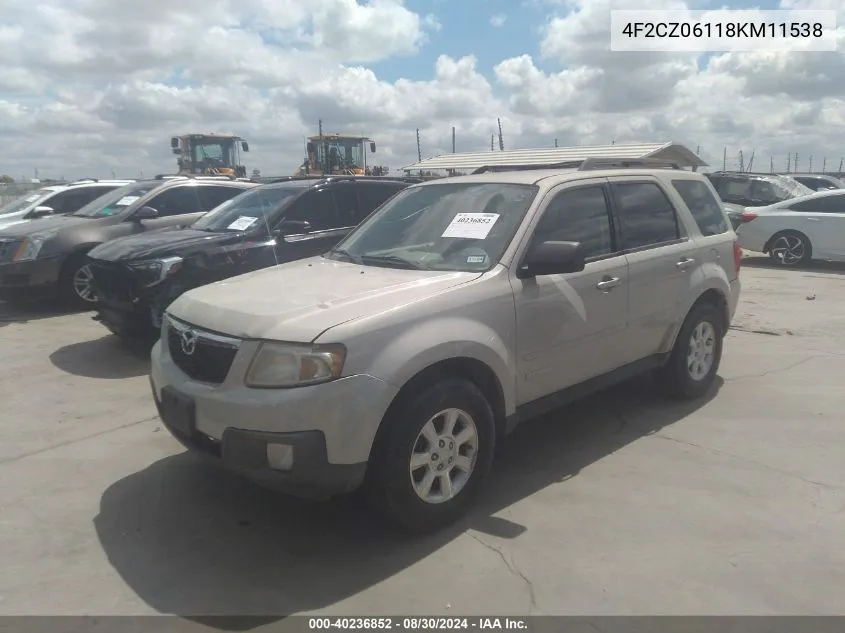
x=438 y=448
x=791 y=248
x=695 y=359
x=75 y=289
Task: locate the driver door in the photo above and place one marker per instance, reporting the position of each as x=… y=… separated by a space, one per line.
x=572 y=327
x=319 y=208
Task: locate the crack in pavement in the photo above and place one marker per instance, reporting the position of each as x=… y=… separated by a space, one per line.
x=775 y=371
x=513 y=569
x=716 y=451
x=46 y=449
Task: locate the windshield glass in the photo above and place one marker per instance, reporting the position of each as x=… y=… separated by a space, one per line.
x=790 y=188
x=26 y=202
x=456 y=226
x=116 y=201
x=248 y=210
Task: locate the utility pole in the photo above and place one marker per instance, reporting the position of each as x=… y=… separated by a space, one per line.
x=555 y=142
x=788 y=163
x=326 y=163
x=840 y=165
x=501 y=140
x=771 y=164
x=419 y=147
x=492 y=141
x=811 y=163
x=795 y=164
x=741 y=162
x=824 y=164
x=453 y=139
x=724 y=159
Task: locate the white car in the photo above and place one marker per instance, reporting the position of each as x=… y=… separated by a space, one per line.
x=793 y=232
x=55 y=200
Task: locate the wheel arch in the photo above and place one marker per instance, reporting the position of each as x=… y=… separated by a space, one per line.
x=768 y=245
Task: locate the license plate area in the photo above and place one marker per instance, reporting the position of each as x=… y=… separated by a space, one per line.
x=178 y=411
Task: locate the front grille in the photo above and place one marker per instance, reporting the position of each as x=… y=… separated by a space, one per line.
x=8 y=248
x=112 y=281
x=202 y=355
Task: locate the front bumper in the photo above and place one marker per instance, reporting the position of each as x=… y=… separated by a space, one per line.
x=329 y=428
x=31 y=279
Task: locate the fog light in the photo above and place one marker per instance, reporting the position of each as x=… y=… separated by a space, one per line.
x=280 y=456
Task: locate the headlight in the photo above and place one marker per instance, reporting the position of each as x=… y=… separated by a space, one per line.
x=28 y=250
x=156 y=270
x=291 y=365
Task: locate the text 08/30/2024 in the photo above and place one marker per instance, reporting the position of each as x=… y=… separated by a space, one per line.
x=723 y=30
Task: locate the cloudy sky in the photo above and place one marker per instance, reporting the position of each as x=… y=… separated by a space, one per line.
x=91 y=87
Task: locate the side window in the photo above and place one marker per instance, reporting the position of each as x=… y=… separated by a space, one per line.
x=578 y=215
x=646 y=215
x=318 y=208
x=210 y=196
x=827 y=204
x=347 y=203
x=176 y=201
x=765 y=192
x=703 y=205
x=372 y=195
x=67 y=201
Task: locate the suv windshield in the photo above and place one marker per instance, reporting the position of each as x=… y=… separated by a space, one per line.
x=21 y=204
x=456 y=226
x=246 y=209
x=116 y=200
x=791 y=187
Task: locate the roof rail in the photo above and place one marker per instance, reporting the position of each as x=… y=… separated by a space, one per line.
x=83 y=180
x=586 y=164
x=340 y=177
x=194 y=177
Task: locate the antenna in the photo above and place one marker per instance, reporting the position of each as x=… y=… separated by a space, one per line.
x=501 y=140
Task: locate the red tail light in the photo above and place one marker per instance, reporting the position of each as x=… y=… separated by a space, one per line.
x=747 y=216
x=737 y=257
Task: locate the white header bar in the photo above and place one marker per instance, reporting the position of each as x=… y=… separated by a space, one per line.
x=723 y=30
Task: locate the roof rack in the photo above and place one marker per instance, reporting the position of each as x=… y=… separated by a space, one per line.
x=587 y=164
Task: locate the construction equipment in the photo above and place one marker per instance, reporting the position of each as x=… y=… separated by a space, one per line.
x=210 y=154
x=338 y=154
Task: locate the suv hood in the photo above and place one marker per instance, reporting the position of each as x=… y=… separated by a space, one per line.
x=43 y=228
x=165 y=243
x=300 y=300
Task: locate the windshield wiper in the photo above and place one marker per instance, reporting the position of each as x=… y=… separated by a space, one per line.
x=345 y=254
x=400 y=262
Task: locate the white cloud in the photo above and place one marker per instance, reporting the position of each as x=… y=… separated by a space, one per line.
x=498 y=20
x=105 y=85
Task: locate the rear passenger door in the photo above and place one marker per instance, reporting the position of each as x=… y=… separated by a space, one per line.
x=73 y=200
x=571 y=328
x=176 y=206
x=320 y=209
x=660 y=260
x=822 y=220
x=211 y=196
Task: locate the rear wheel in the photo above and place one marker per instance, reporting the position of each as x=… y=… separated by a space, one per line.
x=75 y=288
x=429 y=466
x=790 y=248
x=695 y=359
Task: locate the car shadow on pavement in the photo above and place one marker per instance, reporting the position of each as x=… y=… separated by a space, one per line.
x=29 y=311
x=105 y=357
x=195 y=541
x=816 y=266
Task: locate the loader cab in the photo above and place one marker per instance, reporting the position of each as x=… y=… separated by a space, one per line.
x=337 y=154
x=210 y=154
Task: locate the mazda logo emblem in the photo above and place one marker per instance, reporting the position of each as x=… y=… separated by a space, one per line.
x=189 y=342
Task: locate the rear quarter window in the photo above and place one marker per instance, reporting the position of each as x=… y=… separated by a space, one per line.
x=703 y=205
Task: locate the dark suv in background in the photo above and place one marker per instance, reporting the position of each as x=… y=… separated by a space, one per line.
x=137 y=277
x=739 y=190
x=47 y=256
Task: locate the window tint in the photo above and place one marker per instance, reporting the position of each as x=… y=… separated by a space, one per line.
x=704 y=207
x=211 y=196
x=318 y=208
x=347 y=203
x=371 y=195
x=827 y=204
x=578 y=215
x=176 y=201
x=646 y=215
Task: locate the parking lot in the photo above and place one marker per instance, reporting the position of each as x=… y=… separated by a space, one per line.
x=621 y=504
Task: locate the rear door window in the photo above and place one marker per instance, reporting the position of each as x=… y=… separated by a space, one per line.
x=703 y=205
x=177 y=200
x=826 y=204
x=211 y=196
x=371 y=195
x=347 y=203
x=318 y=208
x=646 y=216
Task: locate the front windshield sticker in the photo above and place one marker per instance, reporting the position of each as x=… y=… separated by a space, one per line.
x=125 y=201
x=476 y=259
x=474 y=226
x=242 y=223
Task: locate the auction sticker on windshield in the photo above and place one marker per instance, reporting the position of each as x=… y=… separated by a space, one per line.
x=125 y=201
x=242 y=223
x=474 y=226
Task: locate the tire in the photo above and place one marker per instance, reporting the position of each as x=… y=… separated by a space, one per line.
x=69 y=284
x=681 y=377
x=790 y=249
x=390 y=484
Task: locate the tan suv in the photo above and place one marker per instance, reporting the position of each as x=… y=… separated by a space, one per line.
x=458 y=309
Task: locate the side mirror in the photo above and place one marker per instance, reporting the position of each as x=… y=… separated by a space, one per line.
x=144 y=213
x=552 y=258
x=40 y=212
x=174 y=142
x=292 y=227
x=245 y=146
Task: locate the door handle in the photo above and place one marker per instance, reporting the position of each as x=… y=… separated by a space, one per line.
x=685 y=263
x=608 y=283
